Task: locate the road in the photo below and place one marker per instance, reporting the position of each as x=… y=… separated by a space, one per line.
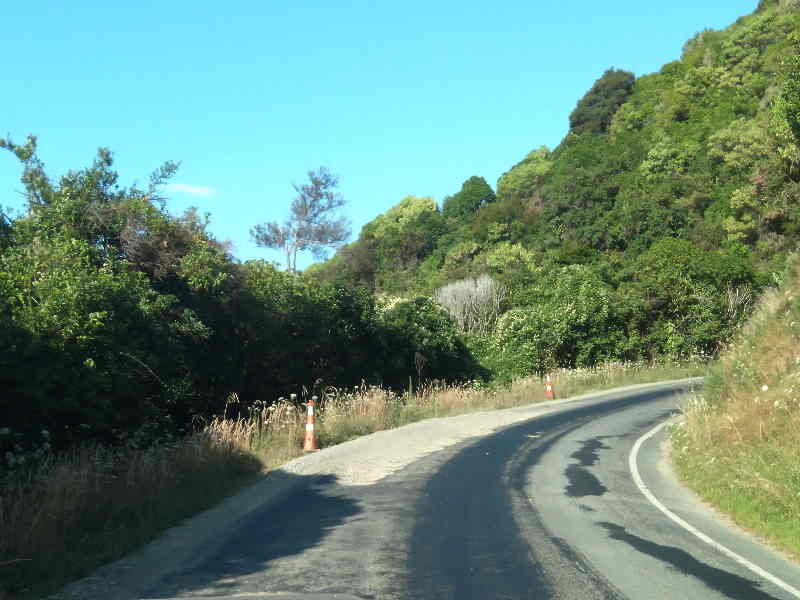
x=548 y=508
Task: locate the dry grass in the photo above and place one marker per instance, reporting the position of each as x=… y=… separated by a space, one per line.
x=79 y=510
x=74 y=512
x=739 y=445
x=346 y=414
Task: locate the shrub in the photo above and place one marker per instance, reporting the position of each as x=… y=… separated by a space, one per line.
x=473 y=303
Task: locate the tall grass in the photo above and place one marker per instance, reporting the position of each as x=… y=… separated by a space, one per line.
x=76 y=511
x=740 y=442
x=346 y=414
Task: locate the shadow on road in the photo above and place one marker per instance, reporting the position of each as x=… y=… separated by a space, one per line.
x=719 y=580
x=299 y=521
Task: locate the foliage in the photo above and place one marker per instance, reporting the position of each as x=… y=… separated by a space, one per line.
x=680 y=289
x=566 y=320
x=786 y=111
x=668 y=160
x=474 y=193
x=312 y=223
x=522 y=180
x=738 y=447
x=676 y=193
x=390 y=246
x=400 y=217
x=425 y=339
x=649 y=230
x=124 y=324
x=594 y=111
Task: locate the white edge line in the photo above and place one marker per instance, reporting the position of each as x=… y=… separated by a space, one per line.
x=637 y=478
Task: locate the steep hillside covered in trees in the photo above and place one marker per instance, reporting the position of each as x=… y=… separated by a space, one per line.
x=647 y=231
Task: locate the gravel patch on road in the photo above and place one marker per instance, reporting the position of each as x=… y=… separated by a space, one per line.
x=362 y=461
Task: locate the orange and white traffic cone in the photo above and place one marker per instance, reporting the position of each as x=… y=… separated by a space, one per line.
x=548 y=387
x=310 y=444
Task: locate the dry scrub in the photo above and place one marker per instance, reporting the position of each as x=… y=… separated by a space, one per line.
x=79 y=510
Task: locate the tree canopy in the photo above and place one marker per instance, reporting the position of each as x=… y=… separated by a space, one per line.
x=474 y=193
x=672 y=201
x=594 y=111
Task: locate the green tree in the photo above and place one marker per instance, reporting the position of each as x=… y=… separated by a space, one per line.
x=565 y=317
x=682 y=291
x=400 y=216
x=90 y=292
x=5 y=227
x=786 y=110
x=424 y=341
x=787 y=105
x=474 y=193
x=521 y=181
x=595 y=110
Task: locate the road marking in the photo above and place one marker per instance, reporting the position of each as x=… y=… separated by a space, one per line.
x=637 y=478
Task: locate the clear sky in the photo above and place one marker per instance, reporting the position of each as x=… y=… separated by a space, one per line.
x=397 y=98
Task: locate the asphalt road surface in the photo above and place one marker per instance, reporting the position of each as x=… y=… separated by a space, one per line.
x=548 y=508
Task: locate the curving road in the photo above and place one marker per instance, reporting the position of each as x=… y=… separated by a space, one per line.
x=544 y=509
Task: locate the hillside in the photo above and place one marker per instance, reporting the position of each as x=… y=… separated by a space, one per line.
x=664 y=211
x=668 y=207
x=137 y=353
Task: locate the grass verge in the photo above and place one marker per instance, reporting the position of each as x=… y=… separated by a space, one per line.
x=739 y=445
x=80 y=510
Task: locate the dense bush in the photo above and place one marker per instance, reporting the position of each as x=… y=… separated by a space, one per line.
x=122 y=323
x=422 y=337
x=565 y=319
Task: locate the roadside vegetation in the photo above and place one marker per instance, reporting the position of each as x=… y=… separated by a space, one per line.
x=145 y=371
x=740 y=443
x=69 y=514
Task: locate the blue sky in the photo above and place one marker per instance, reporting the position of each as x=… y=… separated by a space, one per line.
x=397 y=98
